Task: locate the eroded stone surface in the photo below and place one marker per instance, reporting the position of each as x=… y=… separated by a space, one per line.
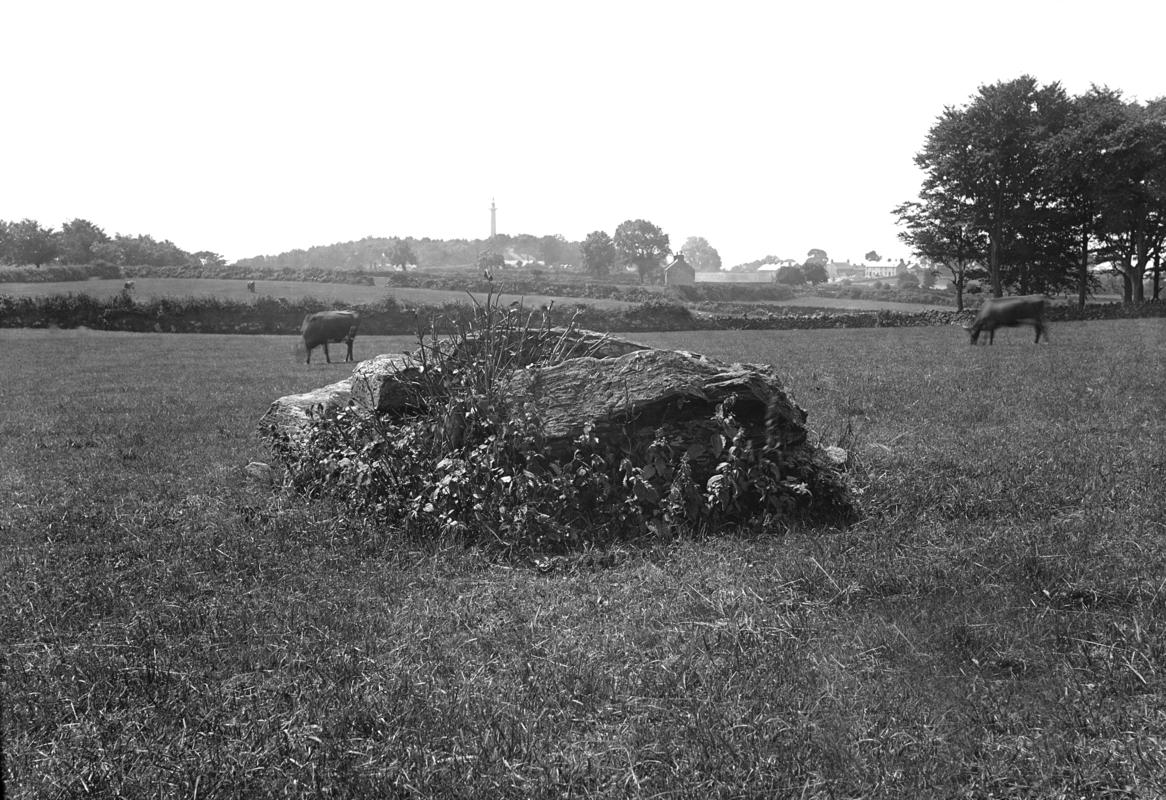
x=649 y=388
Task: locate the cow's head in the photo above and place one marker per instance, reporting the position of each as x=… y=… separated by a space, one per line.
x=973 y=332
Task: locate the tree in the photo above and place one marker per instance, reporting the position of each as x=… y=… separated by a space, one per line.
x=401 y=255
x=207 y=258
x=76 y=241
x=873 y=255
x=598 y=253
x=29 y=243
x=908 y=280
x=700 y=254
x=5 y=242
x=641 y=244
x=815 y=273
x=817 y=256
x=109 y=252
x=1073 y=163
x=488 y=260
x=551 y=249
x=1131 y=224
x=145 y=250
x=986 y=158
x=790 y=275
x=937 y=229
x=754 y=266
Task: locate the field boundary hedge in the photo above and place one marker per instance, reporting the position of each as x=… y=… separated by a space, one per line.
x=267 y=315
x=57 y=273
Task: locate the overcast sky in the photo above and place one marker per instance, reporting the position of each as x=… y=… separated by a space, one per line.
x=252 y=128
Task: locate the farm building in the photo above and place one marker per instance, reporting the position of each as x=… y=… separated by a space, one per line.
x=841 y=270
x=887 y=268
x=679 y=272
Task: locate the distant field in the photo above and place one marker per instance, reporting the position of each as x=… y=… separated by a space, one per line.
x=846 y=303
x=992 y=627
x=145 y=288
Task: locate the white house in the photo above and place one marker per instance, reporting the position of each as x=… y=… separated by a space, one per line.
x=887 y=268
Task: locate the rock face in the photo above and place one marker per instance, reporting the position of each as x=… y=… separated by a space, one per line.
x=622 y=391
x=292 y=412
x=647 y=389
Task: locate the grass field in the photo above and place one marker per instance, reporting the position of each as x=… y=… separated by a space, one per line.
x=851 y=303
x=146 y=288
x=994 y=625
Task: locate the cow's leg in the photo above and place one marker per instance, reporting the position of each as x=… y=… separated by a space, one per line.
x=309 y=355
x=1040 y=329
x=327 y=357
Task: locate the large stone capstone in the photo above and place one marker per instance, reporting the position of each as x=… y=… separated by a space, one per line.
x=619 y=390
x=647 y=389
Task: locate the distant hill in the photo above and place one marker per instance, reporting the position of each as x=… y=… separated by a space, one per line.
x=371 y=253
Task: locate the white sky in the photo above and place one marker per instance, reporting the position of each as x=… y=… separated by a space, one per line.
x=251 y=128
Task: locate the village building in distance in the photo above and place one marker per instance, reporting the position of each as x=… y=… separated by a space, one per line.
x=679 y=272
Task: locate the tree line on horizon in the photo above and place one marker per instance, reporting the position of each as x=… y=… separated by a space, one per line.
x=1027 y=189
x=79 y=241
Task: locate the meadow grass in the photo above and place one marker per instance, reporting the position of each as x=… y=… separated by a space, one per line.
x=846 y=303
x=994 y=625
x=147 y=288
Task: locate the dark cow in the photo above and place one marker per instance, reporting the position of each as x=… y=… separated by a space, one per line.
x=329 y=326
x=128 y=287
x=1009 y=312
x=251 y=286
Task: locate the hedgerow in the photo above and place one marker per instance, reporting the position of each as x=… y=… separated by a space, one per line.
x=83 y=272
x=60 y=273
x=388 y=316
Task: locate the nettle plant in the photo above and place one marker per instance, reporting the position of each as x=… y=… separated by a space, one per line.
x=465 y=460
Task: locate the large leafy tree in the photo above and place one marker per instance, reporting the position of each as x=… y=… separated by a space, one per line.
x=598 y=253
x=700 y=254
x=29 y=243
x=401 y=255
x=145 y=250
x=790 y=275
x=1131 y=185
x=938 y=229
x=643 y=245
x=551 y=249
x=815 y=273
x=1073 y=166
x=986 y=159
x=76 y=240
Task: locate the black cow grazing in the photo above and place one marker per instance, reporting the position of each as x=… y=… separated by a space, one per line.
x=1009 y=312
x=329 y=326
x=128 y=287
x=251 y=286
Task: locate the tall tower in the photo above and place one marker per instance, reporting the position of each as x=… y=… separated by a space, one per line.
x=493 y=219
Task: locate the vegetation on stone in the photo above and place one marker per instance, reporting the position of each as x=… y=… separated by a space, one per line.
x=510 y=432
